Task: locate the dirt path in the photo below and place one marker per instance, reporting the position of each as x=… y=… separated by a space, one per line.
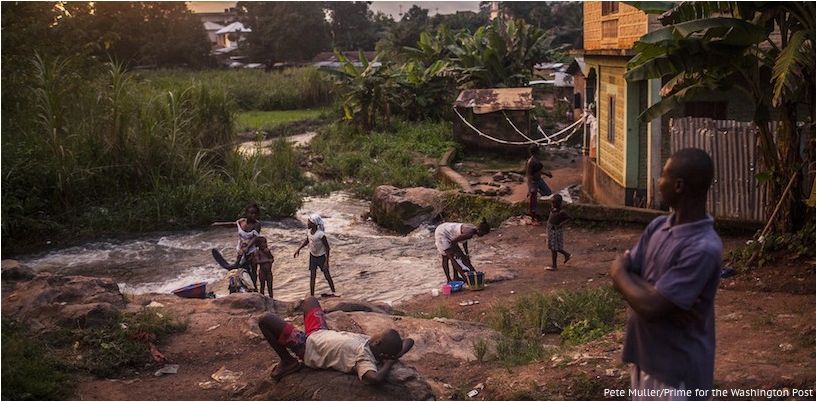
x=765 y=324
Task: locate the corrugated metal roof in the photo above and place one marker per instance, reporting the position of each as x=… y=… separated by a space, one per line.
x=234 y=27
x=495 y=99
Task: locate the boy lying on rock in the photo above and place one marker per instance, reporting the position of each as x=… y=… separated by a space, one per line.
x=322 y=348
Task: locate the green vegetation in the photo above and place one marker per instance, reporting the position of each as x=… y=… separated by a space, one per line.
x=758 y=253
x=393 y=155
x=480 y=349
x=270 y=121
x=441 y=311
x=122 y=345
x=40 y=367
x=112 y=153
x=29 y=369
x=295 y=88
x=501 y=54
x=578 y=316
x=729 y=42
x=461 y=207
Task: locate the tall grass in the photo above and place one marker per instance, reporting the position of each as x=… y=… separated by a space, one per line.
x=113 y=153
x=393 y=155
x=296 y=88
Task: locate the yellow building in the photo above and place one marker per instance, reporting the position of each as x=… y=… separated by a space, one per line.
x=618 y=171
x=626 y=155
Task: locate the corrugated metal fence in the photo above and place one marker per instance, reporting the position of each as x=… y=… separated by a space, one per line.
x=735 y=192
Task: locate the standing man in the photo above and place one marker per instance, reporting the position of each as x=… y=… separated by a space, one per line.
x=669 y=281
x=536 y=185
x=446 y=238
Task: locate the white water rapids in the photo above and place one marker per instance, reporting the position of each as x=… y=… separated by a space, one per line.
x=366 y=262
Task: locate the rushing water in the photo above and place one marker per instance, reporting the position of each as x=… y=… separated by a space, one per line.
x=367 y=262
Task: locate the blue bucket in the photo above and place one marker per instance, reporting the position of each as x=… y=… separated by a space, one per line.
x=456 y=286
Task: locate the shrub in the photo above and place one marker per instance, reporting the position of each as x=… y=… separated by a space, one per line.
x=30 y=371
x=116 y=152
x=392 y=156
x=577 y=315
x=470 y=208
x=480 y=349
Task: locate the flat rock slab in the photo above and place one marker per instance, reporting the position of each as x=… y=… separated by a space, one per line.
x=402 y=383
x=50 y=300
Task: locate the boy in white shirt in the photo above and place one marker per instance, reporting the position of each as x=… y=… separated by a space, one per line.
x=322 y=348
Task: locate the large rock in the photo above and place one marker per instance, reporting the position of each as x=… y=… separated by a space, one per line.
x=13 y=271
x=348 y=305
x=69 y=301
x=404 y=210
x=402 y=383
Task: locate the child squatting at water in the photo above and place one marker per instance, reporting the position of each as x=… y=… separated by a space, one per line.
x=319 y=347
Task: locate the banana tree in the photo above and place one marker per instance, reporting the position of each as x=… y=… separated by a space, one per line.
x=501 y=54
x=368 y=89
x=763 y=50
x=426 y=90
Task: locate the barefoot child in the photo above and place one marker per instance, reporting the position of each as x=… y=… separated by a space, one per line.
x=556 y=240
x=249 y=228
x=318 y=252
x=264 y=259
x=533 y=174
x=322 y=348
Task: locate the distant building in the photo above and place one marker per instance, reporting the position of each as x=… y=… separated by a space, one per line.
x=212 y=28
x=230 y=36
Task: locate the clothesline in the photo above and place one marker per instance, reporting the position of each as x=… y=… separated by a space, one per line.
x=545 y=140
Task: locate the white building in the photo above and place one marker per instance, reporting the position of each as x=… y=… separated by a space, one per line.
x=231 y=35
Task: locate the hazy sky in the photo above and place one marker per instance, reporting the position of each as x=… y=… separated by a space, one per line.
x=388 y=7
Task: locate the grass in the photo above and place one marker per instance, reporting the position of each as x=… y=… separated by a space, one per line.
x=113 y=152
x=109 y=350
x=480 y=349
x=460 y=207
x=268 y=121
x=30 y=371
x=578 y=316
x=394 y=155
x=296 y=88
x=439 y=311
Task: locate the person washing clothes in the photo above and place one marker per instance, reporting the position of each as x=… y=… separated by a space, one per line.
x=318 y=252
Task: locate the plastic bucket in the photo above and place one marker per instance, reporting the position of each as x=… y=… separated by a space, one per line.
x=475 y=280
x=446 y=289
x=456 y=286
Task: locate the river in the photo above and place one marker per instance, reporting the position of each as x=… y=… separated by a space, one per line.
x=367 y=262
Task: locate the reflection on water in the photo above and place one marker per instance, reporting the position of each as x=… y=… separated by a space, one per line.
x=367 y=263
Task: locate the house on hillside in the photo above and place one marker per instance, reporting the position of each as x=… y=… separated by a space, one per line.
x=626 y=155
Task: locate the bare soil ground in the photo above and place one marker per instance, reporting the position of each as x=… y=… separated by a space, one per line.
x=765 y=326
x=765 y=331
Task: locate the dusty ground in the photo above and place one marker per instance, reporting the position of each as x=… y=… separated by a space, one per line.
x=765 y=324
x=565 y=165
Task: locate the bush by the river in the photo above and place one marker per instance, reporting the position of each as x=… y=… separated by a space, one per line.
x=392 y=155
x=109 y=152
x=295 y=88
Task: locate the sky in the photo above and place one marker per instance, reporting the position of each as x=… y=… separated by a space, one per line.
x=392 y=8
